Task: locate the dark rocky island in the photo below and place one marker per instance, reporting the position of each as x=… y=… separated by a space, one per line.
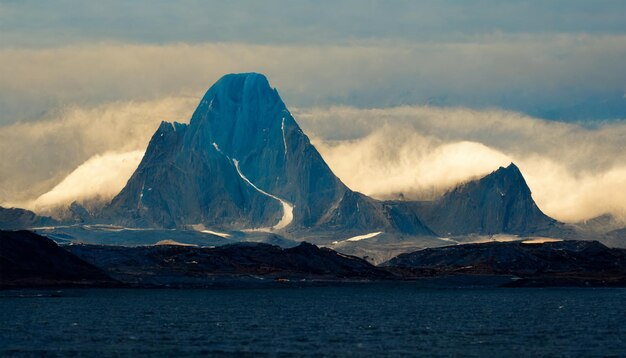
x=235 y=264
x=529 y=263
x=30 y=260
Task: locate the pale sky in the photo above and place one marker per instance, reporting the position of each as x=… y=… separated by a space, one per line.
x=552 y=59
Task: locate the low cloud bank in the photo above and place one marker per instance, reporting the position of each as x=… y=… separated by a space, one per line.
x=574 y=172
x=398 y=161
x=36 y=156
x=100 y=178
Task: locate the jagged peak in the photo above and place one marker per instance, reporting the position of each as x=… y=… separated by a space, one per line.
x=503 y=179
x=511 y=173
x=511 y=169
x=166 y=126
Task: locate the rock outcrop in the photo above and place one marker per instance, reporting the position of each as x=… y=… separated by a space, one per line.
x=30 y=260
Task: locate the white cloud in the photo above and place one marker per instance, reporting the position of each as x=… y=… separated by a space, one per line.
x=399 y=160
x=35 y=156
x=99 y=178
x=575 y=173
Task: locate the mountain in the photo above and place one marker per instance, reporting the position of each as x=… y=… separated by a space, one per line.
x=15 y=218
x=27 y=259
x=176 y=265
x=243 y=162
x=500 y=202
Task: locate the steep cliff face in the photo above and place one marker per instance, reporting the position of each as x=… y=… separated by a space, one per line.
x=501 y=202
x=176 y=185
x=246 y=119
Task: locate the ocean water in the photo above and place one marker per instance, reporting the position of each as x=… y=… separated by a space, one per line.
x=351 y=320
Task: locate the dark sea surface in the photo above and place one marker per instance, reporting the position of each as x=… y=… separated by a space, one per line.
x=359 y=319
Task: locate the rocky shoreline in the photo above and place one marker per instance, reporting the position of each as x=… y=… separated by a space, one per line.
x=30 y=260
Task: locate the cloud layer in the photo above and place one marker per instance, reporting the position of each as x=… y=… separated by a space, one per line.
x=98 y=179
x=35 y=156
x=574 y=172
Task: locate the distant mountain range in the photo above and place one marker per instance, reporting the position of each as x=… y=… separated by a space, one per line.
x=243 y=164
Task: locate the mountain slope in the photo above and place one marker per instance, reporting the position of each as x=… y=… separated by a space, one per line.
x=175 y=185
x=500 y=202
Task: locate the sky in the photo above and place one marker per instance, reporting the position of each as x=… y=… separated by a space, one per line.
x=428 y=94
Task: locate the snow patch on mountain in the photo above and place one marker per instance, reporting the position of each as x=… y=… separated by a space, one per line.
x=363 y=237
x=287 y=207
x=358 y=237
x=173 y=243
x=216 y=233
x=540 y=240
x=282 y=128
